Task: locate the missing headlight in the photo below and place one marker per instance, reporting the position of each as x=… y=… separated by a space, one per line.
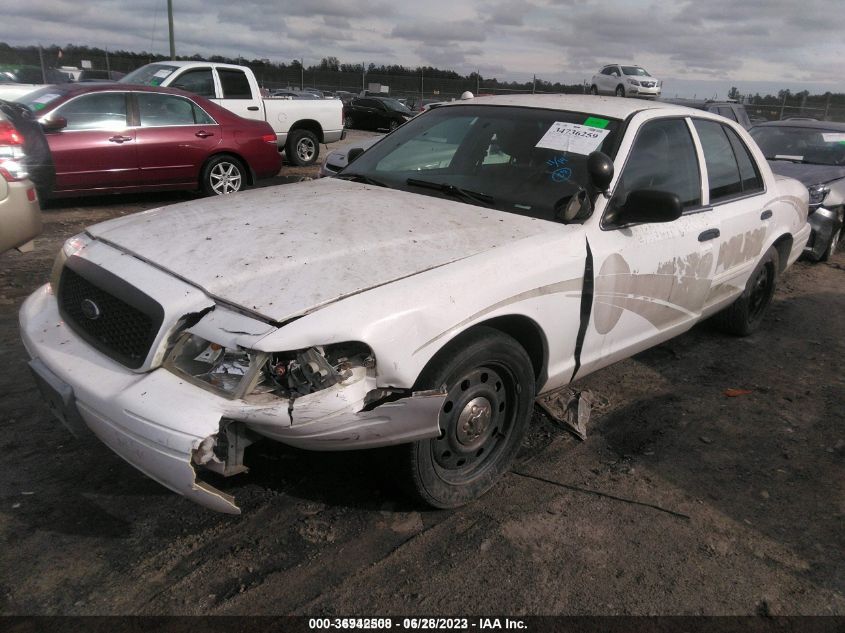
x=294 y=374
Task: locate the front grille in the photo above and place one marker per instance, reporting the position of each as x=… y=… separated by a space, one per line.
x=110 y=323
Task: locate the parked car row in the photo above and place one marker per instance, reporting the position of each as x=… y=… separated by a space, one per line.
x=512 y=245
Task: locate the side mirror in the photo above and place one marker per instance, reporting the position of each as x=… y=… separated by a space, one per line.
x=54 y=124
x=646 y=205
x=600 y=170
x=354 y=153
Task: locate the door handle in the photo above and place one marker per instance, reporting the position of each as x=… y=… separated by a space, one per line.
x=204 y=134
x=766 y=214
x=120 y=139
x=253 y=108
x=709 y=234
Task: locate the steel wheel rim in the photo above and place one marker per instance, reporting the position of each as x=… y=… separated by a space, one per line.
x=759 y=292
x=477 y=418
x=305 y=149
x=834 y=241
x=225 y=178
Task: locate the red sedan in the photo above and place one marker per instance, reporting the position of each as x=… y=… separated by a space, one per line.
x=115 y=138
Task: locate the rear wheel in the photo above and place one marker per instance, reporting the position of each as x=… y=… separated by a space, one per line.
x=223 y=175
x=348 y=121
x=302 y=148
x=744 y=315
x=594 y=90
x=393 y=125
x=620 y=91
x=489 y=380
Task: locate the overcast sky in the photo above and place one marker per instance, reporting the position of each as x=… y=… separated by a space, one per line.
x=698 y=46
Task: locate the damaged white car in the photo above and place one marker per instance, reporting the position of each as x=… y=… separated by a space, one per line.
x=484 y=253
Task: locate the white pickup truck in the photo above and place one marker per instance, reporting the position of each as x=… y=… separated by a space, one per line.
x=300 y=125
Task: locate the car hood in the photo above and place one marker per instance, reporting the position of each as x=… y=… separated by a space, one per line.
x=284 y=251
x=807 y=174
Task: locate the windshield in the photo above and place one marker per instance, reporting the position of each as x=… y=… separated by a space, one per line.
x=526 y=161
x=149 y=75
x=41 y=98
x=396 y=106
x=635 y=71
x=813 y=146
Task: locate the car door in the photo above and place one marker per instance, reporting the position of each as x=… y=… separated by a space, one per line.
x=366 y=112
x=736 y=194
x=174 y=138
x=238 y=94
x=96 y=150
x=649 y=280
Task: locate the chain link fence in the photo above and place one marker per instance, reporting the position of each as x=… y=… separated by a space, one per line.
x=411 y=86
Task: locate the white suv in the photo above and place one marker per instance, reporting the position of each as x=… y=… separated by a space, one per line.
x=624 y=81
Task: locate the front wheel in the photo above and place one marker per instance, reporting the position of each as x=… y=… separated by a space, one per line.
x=744 y=315
x=489 y=380
x=594 y=90
x=302 y=148
x=223 y=175
x=620 y=91
x=348 y=121
x=393 y=125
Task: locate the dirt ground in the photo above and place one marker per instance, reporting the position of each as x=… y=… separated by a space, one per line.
x=681 y=500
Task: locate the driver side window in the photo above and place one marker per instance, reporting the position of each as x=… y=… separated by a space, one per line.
x=662 y=159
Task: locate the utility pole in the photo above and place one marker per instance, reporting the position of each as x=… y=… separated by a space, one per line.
x=363 y=76
x=170 y=26
x=41 y=59
x=534 y=85
x=302 y=74
x=477 y=82
x=108 y=67
x=422 y=88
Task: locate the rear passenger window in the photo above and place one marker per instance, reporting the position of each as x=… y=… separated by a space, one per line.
x=662 y=159
x=235 y=84
x=751 y=179
x=726 y=112
x=722 y=168
x=158 y=110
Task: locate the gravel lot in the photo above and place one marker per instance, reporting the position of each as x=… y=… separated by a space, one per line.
x=681 y=501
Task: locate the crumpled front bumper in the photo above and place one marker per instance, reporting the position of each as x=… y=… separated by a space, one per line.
x=824 y=223
x=157 y=420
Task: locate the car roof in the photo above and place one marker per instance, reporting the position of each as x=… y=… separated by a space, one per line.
x=702 y=103
x=180 y=64
x=612 y=107
x=73 y=89
x=827 y=125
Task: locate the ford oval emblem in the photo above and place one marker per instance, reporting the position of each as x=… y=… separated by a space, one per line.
x=90 y=310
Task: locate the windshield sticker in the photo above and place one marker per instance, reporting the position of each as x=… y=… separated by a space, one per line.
x=559 y=172
x=571 y=137
x=833 y=137
x=164 y=72
x=43 y=99
x=155 y=81
x=596 y=122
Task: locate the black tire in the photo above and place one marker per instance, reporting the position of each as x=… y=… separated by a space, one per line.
x=620 y=90
x=744 y=315
x=349 y=121
x=393 y=125
x=222 y=175
x=834 y=241
x=594 y=90
x=490 y=384
x=302 y=148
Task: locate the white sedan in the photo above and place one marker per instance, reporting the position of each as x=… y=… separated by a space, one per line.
x=485 y=252
x=625 y=81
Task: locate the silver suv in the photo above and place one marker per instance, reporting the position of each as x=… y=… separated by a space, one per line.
x=625 y=81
